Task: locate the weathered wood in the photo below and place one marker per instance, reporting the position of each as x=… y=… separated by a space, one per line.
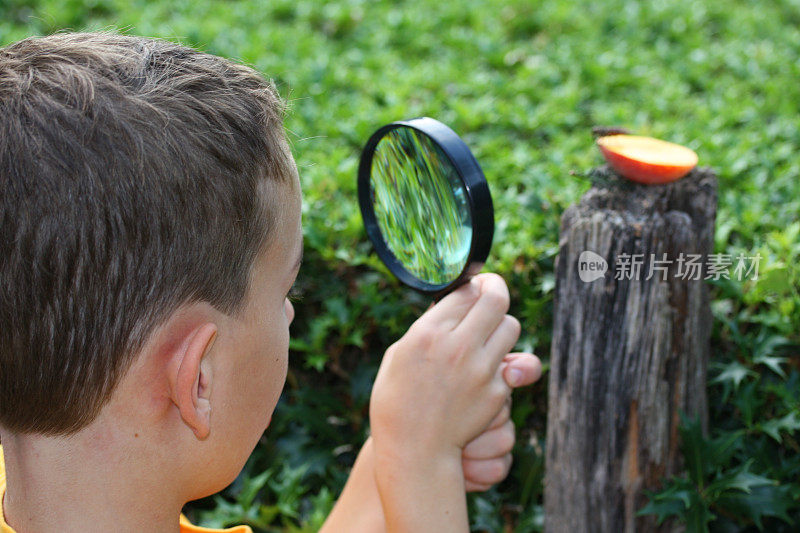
x=628 y=355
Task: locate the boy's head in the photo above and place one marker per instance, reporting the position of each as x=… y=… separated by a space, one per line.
x=148 y=204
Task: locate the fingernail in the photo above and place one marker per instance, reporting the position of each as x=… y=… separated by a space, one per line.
x=515 y=376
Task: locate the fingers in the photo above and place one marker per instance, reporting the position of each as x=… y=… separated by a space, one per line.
x=475 y=314
x=502 y=340
x=487 y=459
x=475 y=487
x=487 y=313
x=451 y=310
x=492 y=443
x=521 y=369
x=482 y=474
x=502 y=416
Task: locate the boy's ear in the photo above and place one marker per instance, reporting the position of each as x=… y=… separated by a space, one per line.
x=190 y=380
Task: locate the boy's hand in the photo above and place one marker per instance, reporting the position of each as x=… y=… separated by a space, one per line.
x=486 y=460
x=442 y=384
x=439 y=387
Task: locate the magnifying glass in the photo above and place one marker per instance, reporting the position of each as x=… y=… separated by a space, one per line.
x=426 y=205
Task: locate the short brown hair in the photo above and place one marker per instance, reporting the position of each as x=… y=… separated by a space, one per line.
x=133 y=179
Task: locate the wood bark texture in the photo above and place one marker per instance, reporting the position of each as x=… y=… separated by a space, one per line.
x=628 y=355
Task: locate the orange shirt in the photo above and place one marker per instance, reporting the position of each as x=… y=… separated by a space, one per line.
x=185 y=525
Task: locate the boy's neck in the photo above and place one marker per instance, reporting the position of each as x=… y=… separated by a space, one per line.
x=81 y=484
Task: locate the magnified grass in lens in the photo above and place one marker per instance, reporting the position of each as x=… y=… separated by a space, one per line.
x=421 y=206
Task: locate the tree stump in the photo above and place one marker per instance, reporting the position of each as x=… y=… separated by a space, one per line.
x=629 y=354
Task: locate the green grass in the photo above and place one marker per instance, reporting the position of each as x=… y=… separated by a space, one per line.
x=522 y=82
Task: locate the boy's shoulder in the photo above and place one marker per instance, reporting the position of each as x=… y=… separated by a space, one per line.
x=185 y=525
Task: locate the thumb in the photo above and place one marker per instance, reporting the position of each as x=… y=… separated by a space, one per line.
x=521 y=369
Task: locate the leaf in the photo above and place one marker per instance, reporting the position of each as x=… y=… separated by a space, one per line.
x=321 y=503
x=745 y=481
x=775 y=280
x=693 y=446
x=251 y=487
x=773 y=363
x=316 y=361
x=769 y=500
x=722 y=448
x=739 y=480
x=765 y=344
x=789 y=423
x=673 y=501
x=663 y=509
x=749 y=400
x=287 y=486
x=698 y=517
x=734 y=372
x=268 y=513
x=484 y=512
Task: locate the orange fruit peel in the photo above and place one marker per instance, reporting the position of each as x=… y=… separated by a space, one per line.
x=646 y=159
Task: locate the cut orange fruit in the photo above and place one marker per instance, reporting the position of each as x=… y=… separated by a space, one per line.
x=645 y=159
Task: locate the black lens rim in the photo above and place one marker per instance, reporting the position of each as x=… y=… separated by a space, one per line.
x=478 y=195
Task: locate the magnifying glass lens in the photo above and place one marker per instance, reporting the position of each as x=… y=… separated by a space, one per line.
x=421 y=206
x=426 y=205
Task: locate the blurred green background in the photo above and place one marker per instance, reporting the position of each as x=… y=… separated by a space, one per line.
x=522 y=82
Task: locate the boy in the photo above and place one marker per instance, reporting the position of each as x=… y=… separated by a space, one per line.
x=150 y=222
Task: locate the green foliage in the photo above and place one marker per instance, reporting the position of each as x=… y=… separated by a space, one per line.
x=712 y=487
x=745 y=476
x=523 y=83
